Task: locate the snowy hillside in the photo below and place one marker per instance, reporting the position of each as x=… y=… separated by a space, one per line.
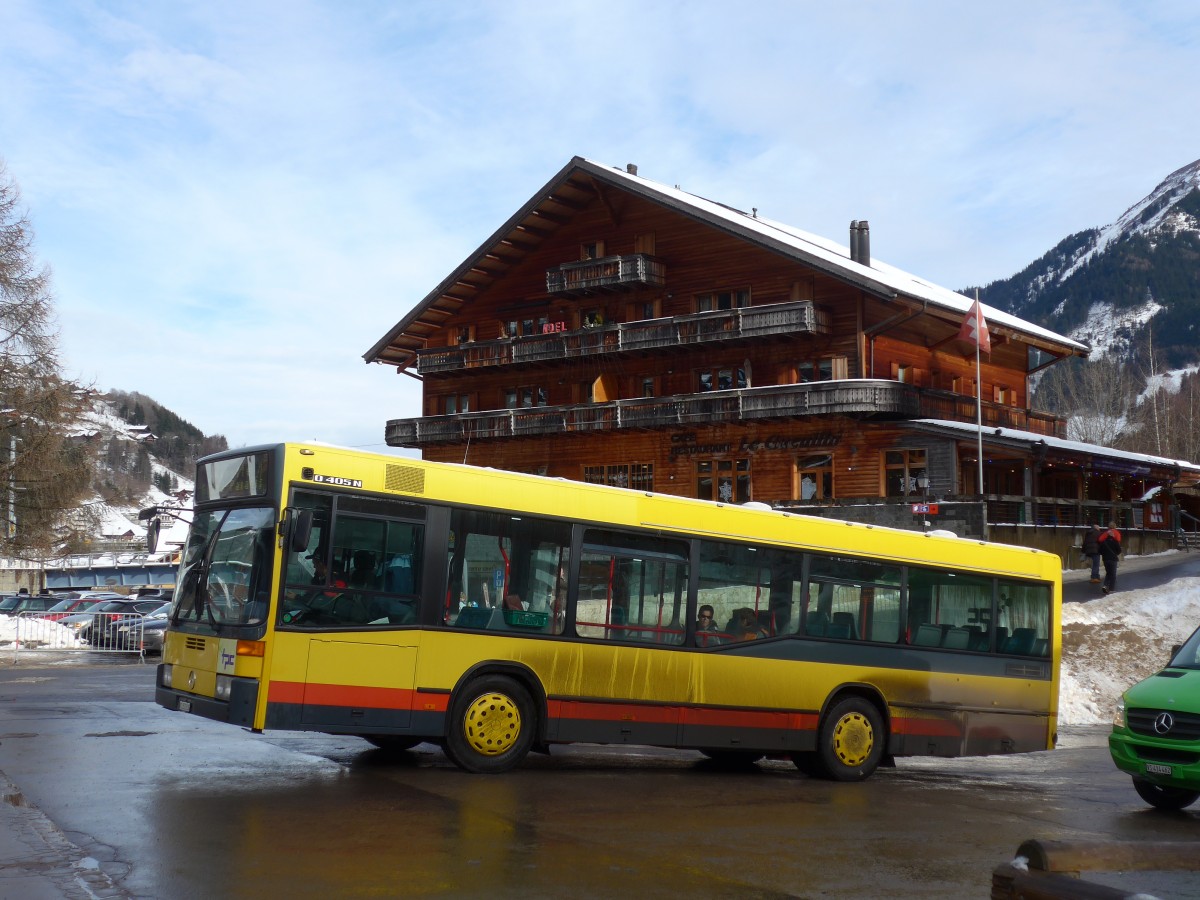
x=122 y=447
x=1120 y=287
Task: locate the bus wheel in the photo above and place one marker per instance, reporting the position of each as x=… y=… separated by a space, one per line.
x=810 y=764
x=1161 y=797
x=391 y=742
x=851 y=741
x=492 y=725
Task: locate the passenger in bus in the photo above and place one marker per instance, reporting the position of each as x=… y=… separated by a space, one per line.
x=707 y=634
x=745 y=625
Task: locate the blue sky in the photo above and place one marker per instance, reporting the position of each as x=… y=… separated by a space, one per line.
x=238 y=199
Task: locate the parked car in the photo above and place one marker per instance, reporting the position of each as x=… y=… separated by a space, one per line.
x=103 y=632
x=1156 y=731
x=69 y=605
x=30 y=603
x=153 y=628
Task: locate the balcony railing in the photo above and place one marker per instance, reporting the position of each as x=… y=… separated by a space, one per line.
x=610 y=273
x=800 y=317
x=960 y=408
x=857 y=397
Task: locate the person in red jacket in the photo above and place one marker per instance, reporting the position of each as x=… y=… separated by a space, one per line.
x=1110 y=552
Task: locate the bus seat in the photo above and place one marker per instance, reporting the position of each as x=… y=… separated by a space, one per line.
x=816 y=624
x=928 y=636
x=956 y=639
x=473 y=617
x=838 y=630
x=978 y=639
x=1021 y=641
x=398 y=577
x=844 y=621
x=1041 y=647
x=1001 y=636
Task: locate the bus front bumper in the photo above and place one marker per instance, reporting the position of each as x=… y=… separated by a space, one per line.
x=237 y=710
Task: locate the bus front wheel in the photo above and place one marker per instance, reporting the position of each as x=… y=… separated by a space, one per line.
x=851 y=741
x=492 y=727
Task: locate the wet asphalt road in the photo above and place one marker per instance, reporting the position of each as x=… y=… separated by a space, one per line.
x=177 y=807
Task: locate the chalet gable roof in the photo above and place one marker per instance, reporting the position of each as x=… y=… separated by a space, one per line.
x=582 y=179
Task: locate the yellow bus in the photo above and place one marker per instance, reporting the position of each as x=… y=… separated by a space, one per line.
x=495 y=613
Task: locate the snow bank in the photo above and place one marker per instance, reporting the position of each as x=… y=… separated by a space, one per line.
x=1114 y=641
x=34 y=633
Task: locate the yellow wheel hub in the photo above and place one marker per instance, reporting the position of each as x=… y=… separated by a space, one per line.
x=853 y=739
x=492 y=724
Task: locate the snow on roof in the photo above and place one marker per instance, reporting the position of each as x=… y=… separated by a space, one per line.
x=1057 y=443
x=887 y=279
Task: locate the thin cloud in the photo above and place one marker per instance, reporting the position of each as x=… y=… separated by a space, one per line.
x=239 y=199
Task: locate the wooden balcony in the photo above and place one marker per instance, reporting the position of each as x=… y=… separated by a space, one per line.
x=609 y=273
x=857 y=398
x=646 y=335
x=959 y=408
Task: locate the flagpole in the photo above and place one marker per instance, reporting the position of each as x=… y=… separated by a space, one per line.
x=978 y=392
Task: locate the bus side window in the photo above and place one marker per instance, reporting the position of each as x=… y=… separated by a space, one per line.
x=494 y=557
x=632 y=588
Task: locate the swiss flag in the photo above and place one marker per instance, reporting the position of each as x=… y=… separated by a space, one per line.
x=974 y=330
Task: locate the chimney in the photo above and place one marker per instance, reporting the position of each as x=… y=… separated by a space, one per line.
x=631 y=168
x=860 y=242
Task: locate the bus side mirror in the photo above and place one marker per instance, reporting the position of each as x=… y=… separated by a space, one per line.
x=152 y=531
x=299 y=529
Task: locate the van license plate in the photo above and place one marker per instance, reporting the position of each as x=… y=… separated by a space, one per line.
x=1155 y=769
x=186 y=706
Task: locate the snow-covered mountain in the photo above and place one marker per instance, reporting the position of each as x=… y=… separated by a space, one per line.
x=130 y=477
x=1120 y=287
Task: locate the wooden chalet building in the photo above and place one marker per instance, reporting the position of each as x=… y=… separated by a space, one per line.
x=619 y=331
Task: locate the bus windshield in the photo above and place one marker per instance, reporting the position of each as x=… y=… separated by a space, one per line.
x=225 y=578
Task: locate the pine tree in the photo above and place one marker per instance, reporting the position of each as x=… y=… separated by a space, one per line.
x=44 y=474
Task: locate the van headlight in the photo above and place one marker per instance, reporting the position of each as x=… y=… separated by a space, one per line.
x=1119 y=715
x=166 y=675
x=224 y=687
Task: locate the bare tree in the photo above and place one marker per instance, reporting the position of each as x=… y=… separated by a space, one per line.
x=45 y=473
x=1094 y=395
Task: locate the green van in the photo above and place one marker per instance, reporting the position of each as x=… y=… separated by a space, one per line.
x=1156 y=731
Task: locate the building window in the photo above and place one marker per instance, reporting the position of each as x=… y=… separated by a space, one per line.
x=963 y=385
x=639 y=476
x=904 y=473
x=826 y=369
x=649 y=386
x=465 y=334
x=593 y=250
x=457 y=403
x=718 y=300
x=1004 y=395
x=521 y=397
x=723 y=480
x=723 y=379
x=814 y=478
x=591 y=318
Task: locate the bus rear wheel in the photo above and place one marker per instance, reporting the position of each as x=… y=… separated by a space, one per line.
x=851 y=741
x=492 y=726
x=1161 y=797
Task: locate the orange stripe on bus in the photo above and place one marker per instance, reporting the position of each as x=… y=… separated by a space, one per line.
x=340 y=695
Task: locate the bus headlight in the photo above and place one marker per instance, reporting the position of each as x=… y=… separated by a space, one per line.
x=224 y=687
x=1119 y=715
x=166 y=675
